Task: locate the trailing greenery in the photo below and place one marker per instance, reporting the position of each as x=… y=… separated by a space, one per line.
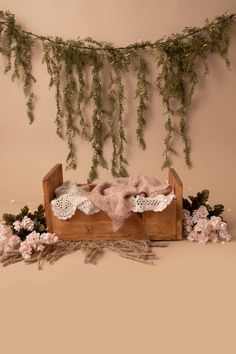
x=78 y=70
x=177 y=59
x=16 y=46
x=201 y=198
x=142 y=93
x=38 y=218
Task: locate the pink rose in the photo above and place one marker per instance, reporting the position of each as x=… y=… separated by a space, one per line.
x=200 y=213
x=215 y=222
x=40 y=248
x=192 y=236
x=187 y=218
x=33 y=239
x=25 y=250
x=27 y=224
x=5 y=231
x=3 y=244
x=49 y=238
x=214 y=237
x=203 y=239
x=201 y=225
x=225 y=235
x=14 y=241
x=188 y=229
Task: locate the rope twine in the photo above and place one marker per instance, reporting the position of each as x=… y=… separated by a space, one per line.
x=140 y=250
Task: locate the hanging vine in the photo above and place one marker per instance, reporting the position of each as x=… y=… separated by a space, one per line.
x=142 y=93
x=16 y=47
x=178 y=77
x=68 y=61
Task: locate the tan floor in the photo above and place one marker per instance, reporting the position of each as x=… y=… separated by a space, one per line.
x=184 y=304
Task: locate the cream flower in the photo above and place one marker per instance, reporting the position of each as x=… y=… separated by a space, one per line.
x=17 y=225
x=27 y=224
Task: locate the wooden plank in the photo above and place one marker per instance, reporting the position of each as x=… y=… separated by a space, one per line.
x=97 y=227
x=160 y=225
x=52 y=180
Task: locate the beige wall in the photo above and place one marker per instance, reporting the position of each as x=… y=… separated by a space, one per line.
x=28 y=152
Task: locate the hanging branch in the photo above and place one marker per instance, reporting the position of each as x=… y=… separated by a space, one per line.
x=80 y=63
x=142 y=93
x=178 y=76
x=113 y=126
x=120 y=62
x=52 y=58
x=67 y=61
x=168 y=143
x=17 y=48
x=97 y=118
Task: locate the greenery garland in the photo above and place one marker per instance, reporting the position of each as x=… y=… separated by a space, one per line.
x=69 y=62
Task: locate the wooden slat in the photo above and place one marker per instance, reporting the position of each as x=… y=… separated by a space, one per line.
x=52 y=180
x=97 y=227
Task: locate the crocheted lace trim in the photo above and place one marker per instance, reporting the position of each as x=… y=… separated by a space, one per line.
x=157 y=203
x=68 y=200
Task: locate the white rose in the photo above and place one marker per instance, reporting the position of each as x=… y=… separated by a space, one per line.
x=17 y=225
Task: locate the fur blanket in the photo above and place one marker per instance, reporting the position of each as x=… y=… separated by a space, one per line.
x=115 y=197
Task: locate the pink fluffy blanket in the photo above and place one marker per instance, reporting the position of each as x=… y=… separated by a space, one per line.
x=115 y=197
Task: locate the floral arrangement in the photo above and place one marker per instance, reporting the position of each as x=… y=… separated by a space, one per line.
x=25 y=232
x=203 y=223
x=25 y=237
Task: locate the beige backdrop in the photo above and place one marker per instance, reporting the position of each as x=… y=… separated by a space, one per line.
x=186 y=303
x=28 y=152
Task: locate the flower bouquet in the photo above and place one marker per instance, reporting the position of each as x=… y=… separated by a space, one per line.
x=203 y=223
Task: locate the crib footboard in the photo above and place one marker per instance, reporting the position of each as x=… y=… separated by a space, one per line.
x=176 y=183
x=167 y=224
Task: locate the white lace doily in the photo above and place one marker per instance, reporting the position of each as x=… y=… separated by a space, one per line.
x=157 y=203
x=68 y=200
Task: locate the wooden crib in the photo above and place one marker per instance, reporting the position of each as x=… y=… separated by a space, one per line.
x=164 y=225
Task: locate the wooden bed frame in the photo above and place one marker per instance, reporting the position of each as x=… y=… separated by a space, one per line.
x=165 y=225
